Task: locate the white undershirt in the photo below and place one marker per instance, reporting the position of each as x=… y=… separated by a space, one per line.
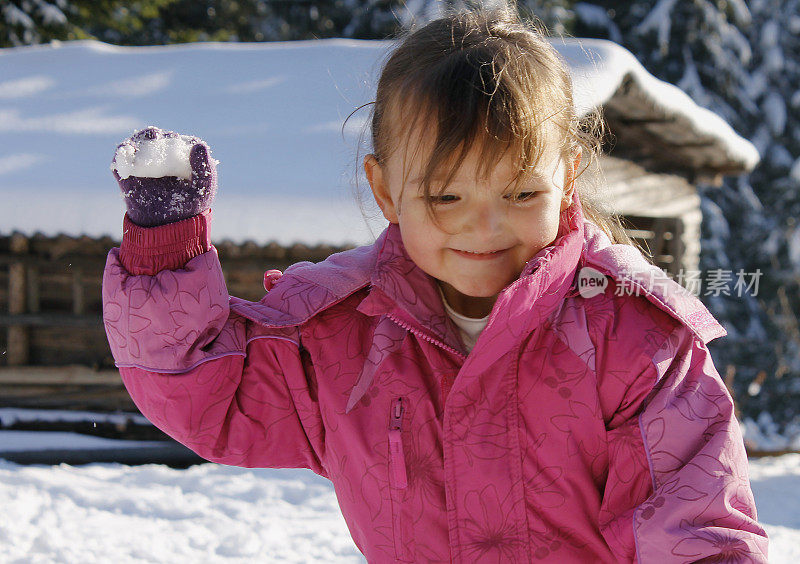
x=469 y=327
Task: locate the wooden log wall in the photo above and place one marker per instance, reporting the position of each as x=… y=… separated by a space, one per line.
x=663 y=204
x=50 y=293
x=659 y=238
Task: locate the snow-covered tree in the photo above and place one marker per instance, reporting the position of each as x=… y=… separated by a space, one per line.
x=25 y=22
x=737 y=60
x=139 y=22
x=28 y=22
x=555 y=14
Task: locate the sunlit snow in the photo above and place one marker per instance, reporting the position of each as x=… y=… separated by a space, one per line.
x=215 y=513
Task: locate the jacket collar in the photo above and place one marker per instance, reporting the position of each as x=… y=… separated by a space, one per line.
x=403 y=291
x=637 y=276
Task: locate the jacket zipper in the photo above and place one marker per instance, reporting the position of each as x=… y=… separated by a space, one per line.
x=426 y=337
x=399 y=477
x=444 y=384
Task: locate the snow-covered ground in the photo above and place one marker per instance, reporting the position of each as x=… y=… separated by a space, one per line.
x=21 y=441
x=776 y=486
x=12 y=415
x=215 y=513
x=207 y=513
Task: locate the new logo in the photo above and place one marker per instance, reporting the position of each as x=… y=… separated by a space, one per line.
x=591 y=282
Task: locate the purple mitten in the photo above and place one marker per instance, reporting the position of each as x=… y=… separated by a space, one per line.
x=164 y=177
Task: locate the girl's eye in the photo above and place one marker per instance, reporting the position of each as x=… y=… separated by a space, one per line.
x=442 y=198
x=521 y=197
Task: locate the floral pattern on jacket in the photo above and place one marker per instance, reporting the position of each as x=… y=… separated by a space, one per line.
x=577 y=430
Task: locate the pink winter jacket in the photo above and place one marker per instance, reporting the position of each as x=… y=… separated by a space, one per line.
x=578 y=430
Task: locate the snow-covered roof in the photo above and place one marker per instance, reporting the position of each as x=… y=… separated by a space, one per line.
x=273 y=115
x=653 y=121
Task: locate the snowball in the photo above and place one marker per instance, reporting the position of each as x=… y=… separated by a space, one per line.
x=154 y=158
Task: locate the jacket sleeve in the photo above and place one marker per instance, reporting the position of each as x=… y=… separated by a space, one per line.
x=678 y=488
x=232 y=391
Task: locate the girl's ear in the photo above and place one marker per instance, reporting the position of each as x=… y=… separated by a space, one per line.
x=570 y=174
x=380 y=188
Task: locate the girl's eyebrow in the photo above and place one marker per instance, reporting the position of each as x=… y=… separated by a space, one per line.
x=434 y=178
x=535 y=176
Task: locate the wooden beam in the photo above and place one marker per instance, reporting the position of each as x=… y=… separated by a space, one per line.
x=16 y=289
x=58 y=375
x=78 y=300
x=50 y=320
x=34 y=289
x=18 y=342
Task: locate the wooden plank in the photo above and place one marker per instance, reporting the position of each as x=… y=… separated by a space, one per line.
x=17 y=344
x=78 y=301
x=674 y=144
x=87 y=346
x=677 y=248
x=3 y=288
x=50 y=319
x=91 y=398
x=58 y=375
x=661 y=237
x=16 y=288
x=57 y=289
x=34 y=286
x=87 y=262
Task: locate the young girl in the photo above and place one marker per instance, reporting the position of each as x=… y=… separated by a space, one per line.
x=493 y=380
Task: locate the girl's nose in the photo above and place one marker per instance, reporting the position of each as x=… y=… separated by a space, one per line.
x=483 y=218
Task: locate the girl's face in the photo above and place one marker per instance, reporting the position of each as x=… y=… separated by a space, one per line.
x=484 y=235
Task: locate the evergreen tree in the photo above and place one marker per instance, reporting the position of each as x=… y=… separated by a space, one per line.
x=26 y=22
x=555 y=14
x=121 y=23
x=254 y=20
x=29 y=22
x=731 y=59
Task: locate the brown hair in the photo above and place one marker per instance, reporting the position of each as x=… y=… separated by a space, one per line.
x=485 y=75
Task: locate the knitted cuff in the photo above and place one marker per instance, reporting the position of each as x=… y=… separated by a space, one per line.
x=149 y=250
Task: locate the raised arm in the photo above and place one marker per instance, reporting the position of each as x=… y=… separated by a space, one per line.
x=232 y=391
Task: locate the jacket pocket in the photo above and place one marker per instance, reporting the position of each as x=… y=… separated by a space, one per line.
x=398 y=483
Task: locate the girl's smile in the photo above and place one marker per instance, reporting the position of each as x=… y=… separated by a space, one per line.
x=480 y=255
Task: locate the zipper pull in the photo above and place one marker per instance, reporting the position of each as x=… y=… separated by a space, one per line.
x=396 y=414
x=398 y=470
